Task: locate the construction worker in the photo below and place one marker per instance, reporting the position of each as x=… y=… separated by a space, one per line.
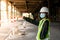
x=43 y=28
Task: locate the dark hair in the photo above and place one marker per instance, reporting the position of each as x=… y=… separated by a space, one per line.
x=47 y=16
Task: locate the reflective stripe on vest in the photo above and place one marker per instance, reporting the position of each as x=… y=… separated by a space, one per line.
x=40 y=28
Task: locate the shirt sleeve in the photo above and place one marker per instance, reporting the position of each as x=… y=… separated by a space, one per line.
x=44 y=30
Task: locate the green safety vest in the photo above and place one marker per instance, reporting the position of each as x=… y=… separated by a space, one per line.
x=40 y=28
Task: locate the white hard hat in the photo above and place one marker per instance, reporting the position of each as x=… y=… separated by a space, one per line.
x=44 y=9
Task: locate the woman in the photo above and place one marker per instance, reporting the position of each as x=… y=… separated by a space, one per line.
x=43 y=28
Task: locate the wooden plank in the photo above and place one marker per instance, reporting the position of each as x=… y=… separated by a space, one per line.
x=17 y=0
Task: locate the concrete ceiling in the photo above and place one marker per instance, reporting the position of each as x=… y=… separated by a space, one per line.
x=27 y=5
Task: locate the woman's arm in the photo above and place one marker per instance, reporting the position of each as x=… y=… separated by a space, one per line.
x=44 y=30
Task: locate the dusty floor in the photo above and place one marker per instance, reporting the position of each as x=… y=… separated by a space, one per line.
x=30 y=31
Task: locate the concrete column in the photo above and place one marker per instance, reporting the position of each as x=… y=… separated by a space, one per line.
x=17 y=14
x=0 y=12
x=9 y=11
x=4 y=13
x=12 y=17
x=14 y=13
